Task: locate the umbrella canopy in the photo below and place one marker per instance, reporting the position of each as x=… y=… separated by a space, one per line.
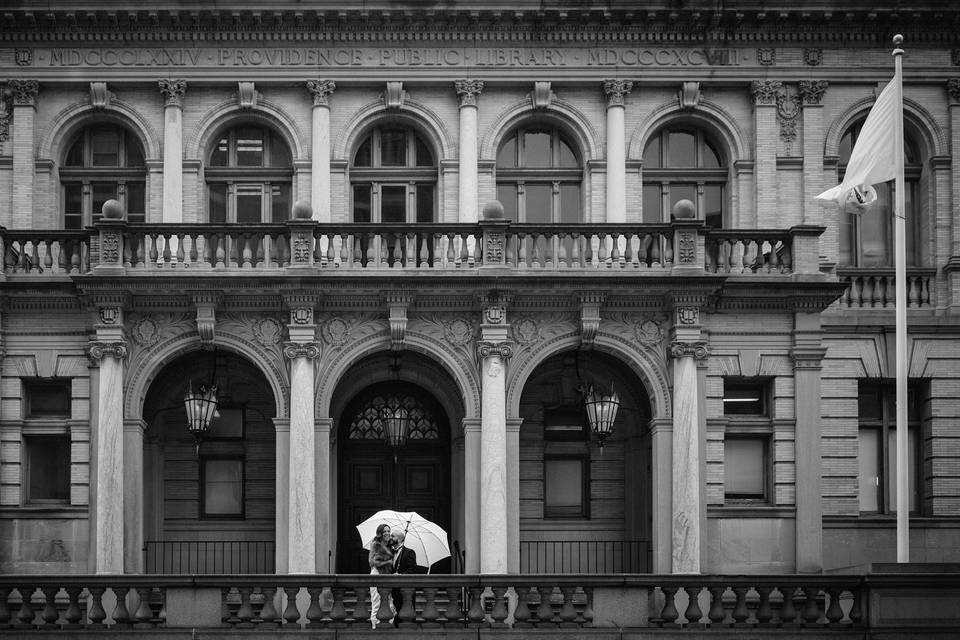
x=426 y=538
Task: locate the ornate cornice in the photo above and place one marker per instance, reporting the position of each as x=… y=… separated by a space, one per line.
x=172 y=91
x=292 y=350
x=616 y=91
x=321 y=90
x=24 y=92
x=468 y=91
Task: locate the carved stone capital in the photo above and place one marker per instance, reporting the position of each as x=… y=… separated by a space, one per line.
x=696 y=350
x=468 y=91
x=502 y=350
x=616 y=91
x=321 y=91
x=953 y=90
x=292 y=350
x=812 y=91
x=808 y=358
x=24 y=92
x=97 y=351
x=172 y=91
x=765 y=91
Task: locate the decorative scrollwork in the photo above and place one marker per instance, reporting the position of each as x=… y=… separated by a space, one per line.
x=173 y=91
x=468 y=91
x=616 y=91
x=97 y=351
x=294 y=350
x=321 y=91
x=696 y=350
x=765 y=91
x=502 y=350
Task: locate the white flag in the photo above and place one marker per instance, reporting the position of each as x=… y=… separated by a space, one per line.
x=873 y=159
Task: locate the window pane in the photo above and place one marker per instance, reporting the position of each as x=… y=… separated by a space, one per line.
x=249 y=204
x=713 y=203
x=911 y=468
x=134 y=152
x=393 y=148
x=683 y=192
x=102 y=191
x=75 y=155
x=249 y=147
x=507 y=156
x=710 y=158
x=49 y=461
x=361 y=203
x=507 y=195
x=874 y=231
x=744 y=398
x=280 y=202
x=219 y=157
x=651 y=155
x=846 y=147
x=567 y=157
x=135 y=201
x=563 y=484
x=223 y=487
x=424 y=203
x=681 y=147
x=538 y=200
x=106 y=147
x=869 y=463
x=870 y=404
x=569 y=203
x=744 y=463
x=424 y=157
x=279 y=153
x=652 y=202
x=72 y=206
x=393 y=205
x=536 y=149
x=218 y=202
x=911 y=221
x=47 y=398
x=363 y=157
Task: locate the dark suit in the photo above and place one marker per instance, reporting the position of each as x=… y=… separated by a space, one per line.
x=406 y=562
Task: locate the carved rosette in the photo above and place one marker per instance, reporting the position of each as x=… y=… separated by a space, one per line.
x=525 y=331
x=468 y=91
x=696 y=350
x=267 y=331
x=321 y=90
x=97 y=351
x=173 y=92
x=765 y=92
x=502 y=350
x=23 y=57
x=293 y=350
x=812 y=91
x=616 y=92
x=458 y=331
x=687 y=247
x=953 y=90
x=24 y=92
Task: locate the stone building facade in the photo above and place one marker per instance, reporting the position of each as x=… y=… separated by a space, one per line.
x=305 y=215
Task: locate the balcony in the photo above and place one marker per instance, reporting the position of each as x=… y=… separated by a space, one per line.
x=901 y=605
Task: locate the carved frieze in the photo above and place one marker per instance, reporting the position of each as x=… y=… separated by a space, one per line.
x=468 y=91
x=321 y=90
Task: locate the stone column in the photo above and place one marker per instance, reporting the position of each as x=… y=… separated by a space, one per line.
x=302 y=350
x=493 y=350
x=808 y=354
x=471 y=494
x=24 y=93
x=281 y=499
x=468 y=91
x=814 y=181
x=616 y=92
x=172 y=92
x=661 y=436
x=109 y=351
x=686 y=350
x=952 y=268
x=320 y=167
x=133 y=495
x=765 y=94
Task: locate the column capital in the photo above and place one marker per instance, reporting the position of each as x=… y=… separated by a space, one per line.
x=293 y=350
x=808 y=357
x=24 y=92
x=98 y=350
x=765 y=92
x=697 y=350
x=487 y=349
x=468 y=91
x=953 y=90
x=812 y=91
x=172 y=91
x=616 y=91
x=321 y=91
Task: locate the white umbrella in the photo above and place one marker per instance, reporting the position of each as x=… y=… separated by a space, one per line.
x=424 y=537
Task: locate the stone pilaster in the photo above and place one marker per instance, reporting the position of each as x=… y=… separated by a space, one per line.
x=282 y=525
x=320 y=90
x=323 y=495
x=173 y=92
x=133 y=495
x=765 y=94
x=472 y=490
x=953 y=266
x=468 y=92
x=24 y=94
x=616 y=93
x=814 y=180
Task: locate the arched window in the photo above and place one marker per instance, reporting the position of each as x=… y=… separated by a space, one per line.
x=394 y=177
x=249 y=172
x=867 y=240
x=540 y=176
x=103 y=162
x=683 y=163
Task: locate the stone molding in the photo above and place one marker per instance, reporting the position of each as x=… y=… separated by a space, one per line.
x=172 y=91
x=542 y=95
x=468 y=91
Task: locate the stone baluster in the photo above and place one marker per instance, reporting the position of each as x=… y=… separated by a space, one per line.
x=788 y=612
x=314 y=610
x=834 y=611
x=72 y=615
x=269 y=619
x=499 y=611
x=143 y=615
x=430 y=613
x=567 y=613
x=338 y=611
x=453 y=616
x=361 y=612
x=693 y=612
x=521 y=615
x=740 y=611
x=764 y=611
x=475 y=614
x=669 y=613
x=407 y=615
x=49 y=615
x=291 y=615
x=717 y=613
x=120 y=615
x=544 y=609
x=811 y=610
x=97 y=614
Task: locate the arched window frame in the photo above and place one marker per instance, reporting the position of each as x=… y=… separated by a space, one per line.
x=390 y=184
x=86 y=181
x=866 y=241
x=705 y=182
x=246 y=191
x=558 y=181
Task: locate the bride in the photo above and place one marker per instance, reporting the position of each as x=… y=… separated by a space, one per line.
x=381 y=561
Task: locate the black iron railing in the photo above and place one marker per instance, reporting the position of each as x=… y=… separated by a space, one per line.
x=584 y=556
x=209 y=556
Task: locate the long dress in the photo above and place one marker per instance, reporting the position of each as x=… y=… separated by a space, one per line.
x=381 y=562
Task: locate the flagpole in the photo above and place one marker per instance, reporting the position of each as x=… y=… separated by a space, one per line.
x=900 y=251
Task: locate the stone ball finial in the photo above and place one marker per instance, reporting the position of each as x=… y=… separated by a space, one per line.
x=493 y=210
x=302 y=210
x=112 y=210
x=684 y=210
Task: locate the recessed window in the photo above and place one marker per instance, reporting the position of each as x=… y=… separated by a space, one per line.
x=394 y=177
x=877 y=455
x=222 y=480
x=744 y=398
x=46 y=398
x=566 y=483
x=540 y=176
x=745 y=464
x=47 y=469
x=683 y=163
x=249 y=175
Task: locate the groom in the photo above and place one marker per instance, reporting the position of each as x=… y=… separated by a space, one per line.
x=405 y=561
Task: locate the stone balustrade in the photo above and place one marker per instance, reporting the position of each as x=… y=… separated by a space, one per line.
x=876 y=288
x=751 y=605
x=45 y=252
